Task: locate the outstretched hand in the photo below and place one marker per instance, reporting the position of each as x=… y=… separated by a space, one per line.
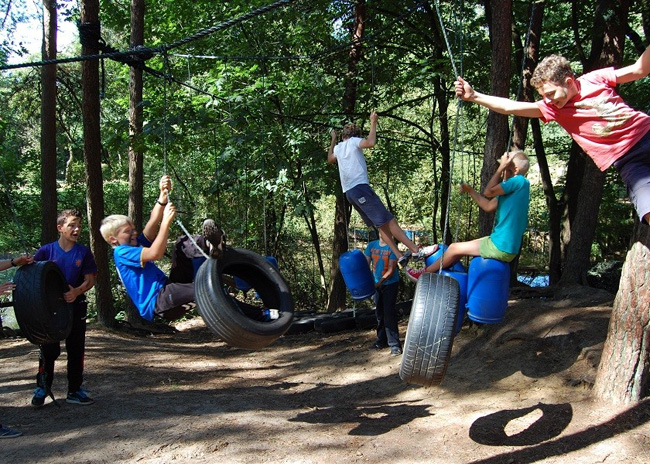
x=465 y=187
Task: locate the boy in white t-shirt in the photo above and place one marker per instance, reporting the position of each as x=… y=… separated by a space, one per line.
x=356 y=187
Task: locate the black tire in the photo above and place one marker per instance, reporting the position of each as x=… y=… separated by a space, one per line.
x=337 y=322
x=431 y=329
x=41 y=312
x=226 y=316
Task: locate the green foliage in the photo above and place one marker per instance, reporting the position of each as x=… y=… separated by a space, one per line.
x=243 y=124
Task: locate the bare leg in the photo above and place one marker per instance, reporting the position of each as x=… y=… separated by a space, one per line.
x=388 y=238
x=646 y=218
x=454 y=253
x=393 y=228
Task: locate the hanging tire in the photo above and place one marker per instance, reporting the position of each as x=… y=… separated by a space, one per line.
x=41 y=312
x=231 y=319
x=431 y=329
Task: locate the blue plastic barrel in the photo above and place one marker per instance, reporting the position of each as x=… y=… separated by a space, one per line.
x=461 y=277
x=242 y=285
x=458 y=267
x=488 y=287
x=357 y=275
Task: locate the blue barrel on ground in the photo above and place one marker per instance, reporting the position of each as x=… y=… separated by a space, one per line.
x=357 y=275
x=488 y=287
x=458 y=267
x=462 y=278
x=242 y=285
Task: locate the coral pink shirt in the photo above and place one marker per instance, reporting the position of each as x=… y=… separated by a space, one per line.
x=598 y=119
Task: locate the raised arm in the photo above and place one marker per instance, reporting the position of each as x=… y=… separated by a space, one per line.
x=159 y=245
x=371 y=140
x=488 y=205
x=330 y=153
x=633 y=72
x=500 y=105
x=151 y=228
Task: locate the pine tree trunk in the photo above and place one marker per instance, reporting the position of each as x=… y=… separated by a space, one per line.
x=624 y=371
x=136 y=157
x=337 y=292
x=499 y=14
x=48 y=126
x=93 y=169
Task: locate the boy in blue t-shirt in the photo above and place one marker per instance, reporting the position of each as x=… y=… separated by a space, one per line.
x=148 y=286
x=509 y=199
x=77 y=263
x=384 y=263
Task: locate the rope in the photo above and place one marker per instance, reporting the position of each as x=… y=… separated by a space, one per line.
x=90 y=34
x=138 y=55
x=166 y=155
x=459 y=108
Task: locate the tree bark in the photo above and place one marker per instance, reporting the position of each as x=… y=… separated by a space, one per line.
x=48 y=126
x=584 y=189
x=93 y=169
x=136 y=155
x=337 y=292
x=623 y=374
x=499 y=16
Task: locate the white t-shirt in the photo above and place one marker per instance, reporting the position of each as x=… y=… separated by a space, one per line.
x=352 y=163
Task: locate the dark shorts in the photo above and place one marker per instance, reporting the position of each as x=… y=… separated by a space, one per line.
x=369 y=205
x=172 y=299
x=634 y=168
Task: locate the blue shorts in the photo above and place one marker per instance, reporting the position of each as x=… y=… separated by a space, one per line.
x=369 y=205
x=634 y=168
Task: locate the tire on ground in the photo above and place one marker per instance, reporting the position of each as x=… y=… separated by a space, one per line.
x=430 y=331
x=41 y=312
x=231 y=319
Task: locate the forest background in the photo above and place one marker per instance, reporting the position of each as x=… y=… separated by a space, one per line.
x=240 y=118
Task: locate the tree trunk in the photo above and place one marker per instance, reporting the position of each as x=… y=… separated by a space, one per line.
x=136 y=157
x=623 y=374
x=584 y=190
x=337 y=292
x=48 y=126
x=499 y=16
x=93 y=169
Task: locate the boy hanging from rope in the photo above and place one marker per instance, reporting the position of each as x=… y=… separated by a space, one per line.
x=596 y=117
x=356 y=187
x=148 y=286
x=507 y=194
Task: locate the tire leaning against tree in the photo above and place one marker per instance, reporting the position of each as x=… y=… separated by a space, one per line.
x=225 y=315
x=41 y=312
x=430 y=331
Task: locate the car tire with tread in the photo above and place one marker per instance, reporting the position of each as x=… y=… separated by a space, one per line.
x=41 y=311
x=431 y=329
x=225 y=315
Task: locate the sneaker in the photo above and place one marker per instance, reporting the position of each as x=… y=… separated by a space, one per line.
x=413 y=274
x=403 y=261
x=428 y=250
x=378 y=346
x=79 y=397
x=214 y=236
x=395 y=351
x=424 y=253
x=6 y=432
x=39 y=397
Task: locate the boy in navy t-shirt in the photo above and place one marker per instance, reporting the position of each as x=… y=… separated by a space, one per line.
x=77 y=263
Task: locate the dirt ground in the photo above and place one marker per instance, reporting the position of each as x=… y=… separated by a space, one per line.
x=516 y=392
